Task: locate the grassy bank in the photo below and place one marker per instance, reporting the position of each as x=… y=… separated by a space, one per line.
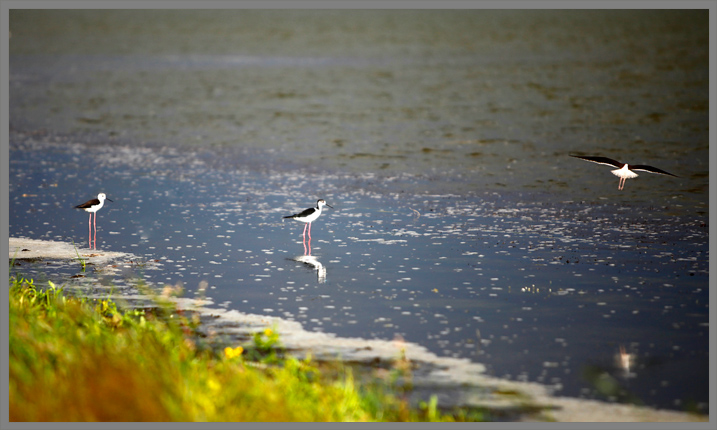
x=74 y=359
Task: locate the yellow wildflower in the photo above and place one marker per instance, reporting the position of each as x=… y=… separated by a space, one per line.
x=230 y=352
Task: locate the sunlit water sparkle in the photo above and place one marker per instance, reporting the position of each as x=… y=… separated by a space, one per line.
x=536 y=291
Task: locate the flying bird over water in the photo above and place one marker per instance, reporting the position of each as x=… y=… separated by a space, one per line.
x=624 y=171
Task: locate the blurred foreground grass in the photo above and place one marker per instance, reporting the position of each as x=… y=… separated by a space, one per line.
x=75 y=359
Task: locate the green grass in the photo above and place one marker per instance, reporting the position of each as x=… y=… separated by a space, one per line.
x=82 y=261
x=74 y=359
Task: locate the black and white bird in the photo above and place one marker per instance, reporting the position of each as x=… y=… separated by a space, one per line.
x=624 y=171
x=92 y=206
x=310 y=215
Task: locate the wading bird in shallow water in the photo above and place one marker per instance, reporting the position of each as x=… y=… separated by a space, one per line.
x=309 y=215
x=624 y=172
x=92 y=206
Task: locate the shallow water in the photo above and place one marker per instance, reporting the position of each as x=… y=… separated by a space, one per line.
x=536 y=291
x=459 y=221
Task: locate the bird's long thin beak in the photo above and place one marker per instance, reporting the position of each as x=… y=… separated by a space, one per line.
x=109 y=199
x=329 y=205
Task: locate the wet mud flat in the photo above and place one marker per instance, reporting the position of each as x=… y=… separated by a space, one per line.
x=456 y=382
x=82 y=271
x=469 y=99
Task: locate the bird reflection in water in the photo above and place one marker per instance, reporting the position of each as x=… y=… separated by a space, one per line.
x=624 y=361
x=312 y=261
x=308 y=216
x=308 y=253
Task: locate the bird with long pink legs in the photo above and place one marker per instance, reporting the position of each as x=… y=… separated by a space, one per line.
x=308 y=216
x=92 y=206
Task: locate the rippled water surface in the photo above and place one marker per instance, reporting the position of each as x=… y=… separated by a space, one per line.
x=541 y=292
x=459 y=221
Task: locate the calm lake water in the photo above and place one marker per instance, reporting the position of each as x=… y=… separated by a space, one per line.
x=442 y=141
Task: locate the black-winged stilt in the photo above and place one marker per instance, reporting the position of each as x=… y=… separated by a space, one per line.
x=310 y=215
x=92 y=206
x=624 y=171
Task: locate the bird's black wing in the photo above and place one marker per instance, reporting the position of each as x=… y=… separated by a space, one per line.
x=651 y=169
x=305 y=213
x=88 y=204
x=601 y=160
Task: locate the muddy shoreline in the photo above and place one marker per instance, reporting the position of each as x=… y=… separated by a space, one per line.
x=457 y=382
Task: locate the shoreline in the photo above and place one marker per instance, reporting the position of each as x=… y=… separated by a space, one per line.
x=453 y=378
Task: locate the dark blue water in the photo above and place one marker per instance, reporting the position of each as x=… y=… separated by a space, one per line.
x=544 y=292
